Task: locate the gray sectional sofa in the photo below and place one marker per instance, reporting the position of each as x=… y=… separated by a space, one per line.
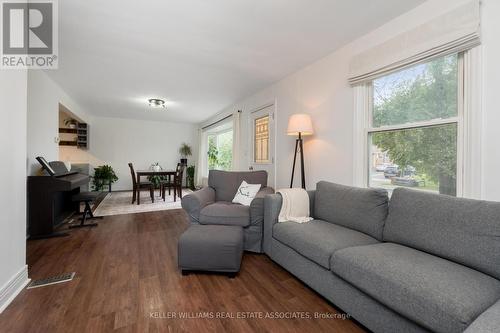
x=420 y=262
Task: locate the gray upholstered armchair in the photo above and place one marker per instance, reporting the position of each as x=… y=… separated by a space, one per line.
x=212 y=204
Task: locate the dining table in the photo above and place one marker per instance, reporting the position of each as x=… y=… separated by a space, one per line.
x=151 y=172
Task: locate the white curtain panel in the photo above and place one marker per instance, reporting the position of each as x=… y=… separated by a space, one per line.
x=236 y=141
x=456 y=31
x=201 y=165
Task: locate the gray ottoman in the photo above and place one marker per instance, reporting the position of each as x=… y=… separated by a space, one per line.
x=211 y=248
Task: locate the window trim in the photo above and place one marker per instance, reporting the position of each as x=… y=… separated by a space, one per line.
x=468 y=122
x=271 y=129
x=419 y=124
x=268 y=161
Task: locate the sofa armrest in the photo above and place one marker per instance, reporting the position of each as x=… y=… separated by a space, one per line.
x=312 y=195
x=257 y=206
x=263 y=192
x=272 y=207
x=487 y=322
x=194 y=202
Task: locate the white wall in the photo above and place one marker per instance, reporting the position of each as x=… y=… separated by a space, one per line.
x=322 y=90
x=13 y=270
x=44 y=96
x=113 y=141
x=117 y=142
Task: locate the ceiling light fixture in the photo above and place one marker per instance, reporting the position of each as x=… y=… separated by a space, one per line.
x=156 y=103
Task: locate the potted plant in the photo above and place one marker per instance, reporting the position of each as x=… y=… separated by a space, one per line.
x=156 y=167
x=156 y=180
x=185 y=151
x=103 y=175
x=190 y=177
x=71 y=123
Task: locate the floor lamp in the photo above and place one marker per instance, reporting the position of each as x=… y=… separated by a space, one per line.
x=299 y=125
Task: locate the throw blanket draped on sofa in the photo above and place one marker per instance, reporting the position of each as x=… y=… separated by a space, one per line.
x=295 y=205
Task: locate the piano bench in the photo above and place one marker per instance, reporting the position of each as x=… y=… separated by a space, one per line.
x=87 y=198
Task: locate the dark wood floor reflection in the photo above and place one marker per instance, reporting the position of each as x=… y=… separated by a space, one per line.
x=127 y=281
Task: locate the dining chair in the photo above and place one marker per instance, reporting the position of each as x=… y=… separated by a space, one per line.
x=175 y=184
x=138 y=187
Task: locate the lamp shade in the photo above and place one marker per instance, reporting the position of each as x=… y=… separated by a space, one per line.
x=300 y=123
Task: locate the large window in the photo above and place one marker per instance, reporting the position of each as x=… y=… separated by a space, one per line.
x=414 y=127
x=220 y=150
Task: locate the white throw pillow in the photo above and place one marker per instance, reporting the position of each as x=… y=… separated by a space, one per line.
x=246 y=192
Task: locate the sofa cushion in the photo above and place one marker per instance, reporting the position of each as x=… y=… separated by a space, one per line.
x=361 y=209
x=226 y=183
x=487 y=322
x=225 y=213
x=436 y=293
x=463 y=230
x=317 y=240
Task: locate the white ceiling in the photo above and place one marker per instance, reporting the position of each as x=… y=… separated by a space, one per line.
x=199 y=55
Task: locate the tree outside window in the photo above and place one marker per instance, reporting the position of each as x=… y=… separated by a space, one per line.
x=220 y=150
x=403 y=152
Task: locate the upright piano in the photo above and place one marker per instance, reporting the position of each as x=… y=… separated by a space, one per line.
x=49 y=202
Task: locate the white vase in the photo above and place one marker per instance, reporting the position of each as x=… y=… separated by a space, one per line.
x=156 y=168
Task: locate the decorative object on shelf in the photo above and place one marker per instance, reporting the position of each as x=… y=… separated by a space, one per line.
x=185 y=151
x=104 y=175
x=156 y=103
x=156 y=180
x=299 y=124
x=70 y=122
x=190 y=177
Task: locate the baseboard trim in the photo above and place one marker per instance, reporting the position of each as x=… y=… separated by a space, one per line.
x=13 y=287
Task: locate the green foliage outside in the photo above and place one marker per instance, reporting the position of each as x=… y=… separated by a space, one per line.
x=213 y=153
x=220 y=151
x=431 y=94
x=103 y=176
x=225 y=151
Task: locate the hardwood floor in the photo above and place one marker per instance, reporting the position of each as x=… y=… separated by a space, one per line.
x=127 y=281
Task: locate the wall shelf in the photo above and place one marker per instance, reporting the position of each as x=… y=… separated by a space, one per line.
x=68 y=130
x=81 y=136
x=68 y=143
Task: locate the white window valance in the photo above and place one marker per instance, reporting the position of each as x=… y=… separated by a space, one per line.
x=455 y=31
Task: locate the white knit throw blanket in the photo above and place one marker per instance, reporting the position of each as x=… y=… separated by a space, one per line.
x=295 y=205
